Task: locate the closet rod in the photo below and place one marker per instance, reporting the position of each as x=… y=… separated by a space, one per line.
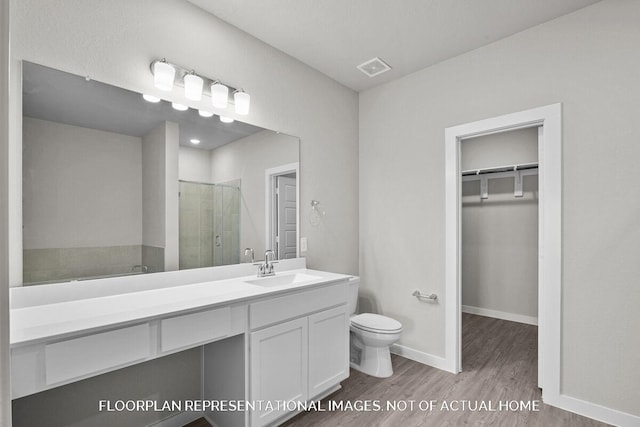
x=510 y=168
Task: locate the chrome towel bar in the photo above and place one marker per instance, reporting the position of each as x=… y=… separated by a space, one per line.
x=419 y=295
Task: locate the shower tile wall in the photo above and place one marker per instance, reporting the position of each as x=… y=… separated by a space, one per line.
x=189 y=226
x=218 y=226
x=153 y=258
x=57 y=264
x=206 y=229
x=230 y=226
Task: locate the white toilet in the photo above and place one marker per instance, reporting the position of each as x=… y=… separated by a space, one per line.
x=371 y=337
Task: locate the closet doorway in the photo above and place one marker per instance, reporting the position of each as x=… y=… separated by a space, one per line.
x=548 y=121
x=499 y=253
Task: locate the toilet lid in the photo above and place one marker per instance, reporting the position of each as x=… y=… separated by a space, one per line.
x=376 y=323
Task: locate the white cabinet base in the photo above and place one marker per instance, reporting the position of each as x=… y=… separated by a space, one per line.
x=328 y=349
x=278 y=369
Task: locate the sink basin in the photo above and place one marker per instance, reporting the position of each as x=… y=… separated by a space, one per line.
x=283 y=279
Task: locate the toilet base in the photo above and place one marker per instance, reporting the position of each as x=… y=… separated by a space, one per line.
x=374 y=361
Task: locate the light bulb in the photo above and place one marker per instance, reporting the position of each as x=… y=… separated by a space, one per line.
x=219 y=95
x=242 y=101
x=205 y=113
x=163 y=75
x=193 y=87
x=179 y=107
x=225 y=119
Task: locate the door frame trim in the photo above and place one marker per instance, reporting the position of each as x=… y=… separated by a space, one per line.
x=270 y=176
x=548 y=118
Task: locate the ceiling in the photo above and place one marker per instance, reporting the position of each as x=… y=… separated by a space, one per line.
x=335 y=36
x=61 y=97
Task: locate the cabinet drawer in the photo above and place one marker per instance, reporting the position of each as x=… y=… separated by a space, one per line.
x=275 y=310
x=196 y=328
x=78 y=357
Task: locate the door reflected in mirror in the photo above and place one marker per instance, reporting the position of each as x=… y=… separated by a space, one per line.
x=113 y=185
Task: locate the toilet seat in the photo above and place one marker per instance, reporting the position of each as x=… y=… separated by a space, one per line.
x=376 y=323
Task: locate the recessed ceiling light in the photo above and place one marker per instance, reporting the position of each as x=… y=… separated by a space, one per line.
x=151 y=98
x=374 y=67
x=194 y=141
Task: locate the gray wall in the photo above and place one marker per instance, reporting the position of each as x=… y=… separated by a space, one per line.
x=500 y=234
x=584 y=60
x=194 y=164
x=72 y=197
x=154 y=154
x=160 y=197
x=286 y=95
x=79 y=218
x=112 y=43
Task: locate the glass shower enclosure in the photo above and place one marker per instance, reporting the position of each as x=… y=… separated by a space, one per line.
x=209 y=232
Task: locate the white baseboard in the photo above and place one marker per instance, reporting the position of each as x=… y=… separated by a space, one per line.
x=593 y=410
x=179 y=420
x=419 y=356
x=568 y=403
x=520 y=318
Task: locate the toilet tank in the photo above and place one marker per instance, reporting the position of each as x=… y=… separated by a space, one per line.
x=354 y=282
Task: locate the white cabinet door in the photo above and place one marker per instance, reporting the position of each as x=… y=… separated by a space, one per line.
x=279 y=357
x=328 y=349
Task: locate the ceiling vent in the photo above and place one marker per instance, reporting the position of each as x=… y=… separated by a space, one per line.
x=373 y=67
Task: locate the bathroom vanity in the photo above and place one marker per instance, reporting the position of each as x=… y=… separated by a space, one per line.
x=164 y=206
x=270 y=339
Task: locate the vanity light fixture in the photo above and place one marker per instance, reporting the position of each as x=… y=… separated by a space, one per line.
x=163 y=74
x=194 y=141
x=193 y=86
x=166 y=75
x=179 y=107
x=242 y=101
x=225 y=119
x=219 y=95
x=205 y=113
x=151 y=98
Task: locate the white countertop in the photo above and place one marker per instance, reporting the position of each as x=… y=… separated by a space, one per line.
x=44 y=322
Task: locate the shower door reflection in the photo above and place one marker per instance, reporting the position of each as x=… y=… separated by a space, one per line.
x=209 y=224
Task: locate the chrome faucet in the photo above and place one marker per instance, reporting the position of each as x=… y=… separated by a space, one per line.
x=250 y=251
x=266 y=268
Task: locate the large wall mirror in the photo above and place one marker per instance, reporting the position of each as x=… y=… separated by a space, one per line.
x=114 y=184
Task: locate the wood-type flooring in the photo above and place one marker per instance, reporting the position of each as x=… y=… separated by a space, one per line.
x=497 y=387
